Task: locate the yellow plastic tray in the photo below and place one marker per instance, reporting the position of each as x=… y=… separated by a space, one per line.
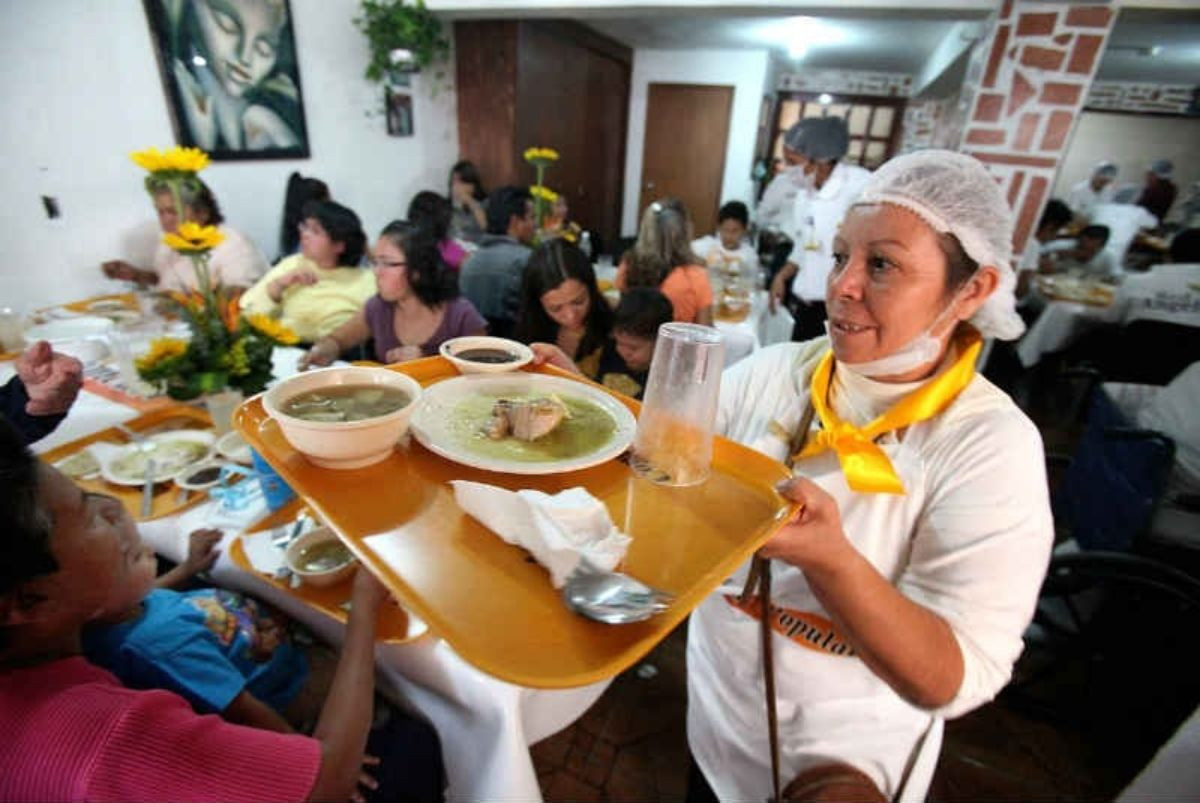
x=168 y=498
x=488 y=599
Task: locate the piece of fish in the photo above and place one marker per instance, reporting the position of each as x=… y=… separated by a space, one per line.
x=525 y=420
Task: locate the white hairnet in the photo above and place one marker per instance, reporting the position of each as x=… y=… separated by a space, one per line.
x=955 y=194
x=1106 y=169
x=1163 y=168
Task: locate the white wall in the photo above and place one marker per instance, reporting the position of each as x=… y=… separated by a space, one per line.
x=745 y=70
x=1132 y=141
x=85 y=92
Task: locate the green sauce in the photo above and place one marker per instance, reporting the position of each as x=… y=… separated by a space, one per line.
x=588 y=428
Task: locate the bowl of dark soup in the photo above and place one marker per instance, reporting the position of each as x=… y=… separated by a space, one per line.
x=479 y=354
x=345 y=417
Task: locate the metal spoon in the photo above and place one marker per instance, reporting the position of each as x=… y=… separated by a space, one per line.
x=612 y=597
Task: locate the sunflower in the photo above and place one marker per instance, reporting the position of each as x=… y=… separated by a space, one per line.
x=546 y=155
x=161 y=350
x=173 y=160
x=545 y=193
x=192 y=238
x=269 y=327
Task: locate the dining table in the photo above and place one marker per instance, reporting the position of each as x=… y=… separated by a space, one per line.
x=485 y=725
x=1069 y=310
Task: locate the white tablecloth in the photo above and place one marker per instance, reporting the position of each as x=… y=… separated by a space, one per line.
x=485 y=725
x=1061 y=324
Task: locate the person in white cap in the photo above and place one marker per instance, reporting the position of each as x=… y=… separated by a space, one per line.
x=1159 y=191
x=775 y=206
x=900 y=588
x=830 y=187
x=1095 y=189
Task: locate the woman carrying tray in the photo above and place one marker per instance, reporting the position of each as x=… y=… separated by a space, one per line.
x=898 y=595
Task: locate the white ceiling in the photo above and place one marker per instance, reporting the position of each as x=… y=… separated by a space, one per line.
x=885 y=41
x=1137 y=29
x=892 y=40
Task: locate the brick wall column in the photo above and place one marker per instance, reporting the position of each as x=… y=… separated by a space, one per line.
x=1030 y=78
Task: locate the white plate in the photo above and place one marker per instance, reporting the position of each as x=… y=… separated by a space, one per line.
x=69 y=329
x=232 y=446
x=164 y=470
x=433 y=425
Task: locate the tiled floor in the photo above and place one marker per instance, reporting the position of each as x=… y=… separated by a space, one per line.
x=631 y=746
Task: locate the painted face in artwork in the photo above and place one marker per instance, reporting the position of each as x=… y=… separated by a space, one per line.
x=242 y=40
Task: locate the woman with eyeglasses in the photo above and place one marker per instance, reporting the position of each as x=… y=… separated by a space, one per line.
x=416 y=309
x=319 y=289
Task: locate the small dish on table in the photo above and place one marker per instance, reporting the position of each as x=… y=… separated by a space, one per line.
x=481 y=354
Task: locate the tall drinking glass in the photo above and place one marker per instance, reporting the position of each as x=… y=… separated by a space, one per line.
x=11 y=328
x=673 y=445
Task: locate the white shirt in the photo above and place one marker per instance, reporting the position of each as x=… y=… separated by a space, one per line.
x=1082 y=198
x=1168 y=293
x=817 y=215
x=1124 y=221
x=715 y=255
x=236 y=262
x=970 y=541
x=775 y=207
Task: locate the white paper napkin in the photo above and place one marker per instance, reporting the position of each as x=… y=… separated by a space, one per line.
x=559 y=530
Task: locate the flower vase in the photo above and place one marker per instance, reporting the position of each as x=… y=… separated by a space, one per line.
x=221 y=407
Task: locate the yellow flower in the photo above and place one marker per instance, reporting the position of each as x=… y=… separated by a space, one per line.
x=193 y=238
x=268 y=326
x=165 y=348
x=541 y=154
x=176 y=159
x=545 y=193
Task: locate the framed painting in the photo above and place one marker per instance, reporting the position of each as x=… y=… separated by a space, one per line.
x=230 y=75
x=399 y=113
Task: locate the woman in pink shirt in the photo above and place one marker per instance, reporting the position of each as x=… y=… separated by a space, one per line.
x=662 y=257
x=72 y=732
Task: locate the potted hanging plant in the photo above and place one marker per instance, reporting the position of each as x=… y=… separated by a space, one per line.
x=404 y=37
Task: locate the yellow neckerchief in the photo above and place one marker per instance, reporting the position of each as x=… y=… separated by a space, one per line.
x=866 y=467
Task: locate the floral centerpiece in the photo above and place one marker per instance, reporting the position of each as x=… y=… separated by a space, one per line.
x=543 y=196
x=226 y=349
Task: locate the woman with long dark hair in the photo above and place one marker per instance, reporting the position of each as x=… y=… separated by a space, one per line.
x=300 y=190
x=416 y=309
x=561 y=304
x=433 y=212
x=468 y=197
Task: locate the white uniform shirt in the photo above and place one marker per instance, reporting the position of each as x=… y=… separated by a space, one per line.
x=1169 y=293
x=775 y=207
x=715 y=255
x=817 y=215
x=236 y=262
x=970 y=541
x=1124 y=221
x=1082 y=198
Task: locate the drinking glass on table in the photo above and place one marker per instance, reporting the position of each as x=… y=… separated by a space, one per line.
x=11 y=330
x=673 y=445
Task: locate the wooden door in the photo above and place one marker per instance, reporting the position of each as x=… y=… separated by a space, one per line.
x=687 y=130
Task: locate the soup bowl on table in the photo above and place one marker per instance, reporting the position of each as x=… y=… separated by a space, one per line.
x=319 y=559
x=482 y=354
x=343 y=417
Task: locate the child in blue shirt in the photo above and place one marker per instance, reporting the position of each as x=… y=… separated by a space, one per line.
x=221 y=651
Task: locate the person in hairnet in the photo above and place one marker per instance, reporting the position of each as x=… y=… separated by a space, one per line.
x=775 y=206
x=900 y=587
x=830 y=187
x=1095 y=189
x=1159 y=191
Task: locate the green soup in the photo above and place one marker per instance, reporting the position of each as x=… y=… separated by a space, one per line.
x=587 y=428
x=323 y=556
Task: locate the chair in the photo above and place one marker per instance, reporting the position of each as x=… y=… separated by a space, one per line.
x=1115 y=480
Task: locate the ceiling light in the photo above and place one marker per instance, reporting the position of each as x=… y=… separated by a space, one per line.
x=1155 y=50
x=799 y=35
x=825 y=98
x=199 y=61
